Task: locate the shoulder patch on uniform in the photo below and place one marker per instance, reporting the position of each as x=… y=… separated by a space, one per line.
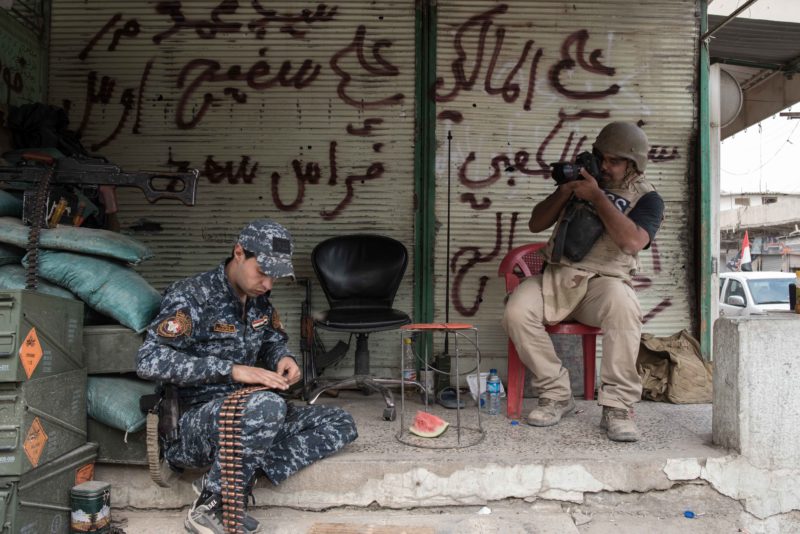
x=224 y=328
x=178 y=325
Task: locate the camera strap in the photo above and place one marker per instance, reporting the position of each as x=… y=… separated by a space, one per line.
x=561 y=231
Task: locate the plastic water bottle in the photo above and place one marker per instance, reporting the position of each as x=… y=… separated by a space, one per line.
x=493 y=388
x=409 y=361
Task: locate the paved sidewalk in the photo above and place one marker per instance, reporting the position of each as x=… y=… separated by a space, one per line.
x=660 y=512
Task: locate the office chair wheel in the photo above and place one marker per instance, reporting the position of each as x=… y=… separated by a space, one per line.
x=389 y=413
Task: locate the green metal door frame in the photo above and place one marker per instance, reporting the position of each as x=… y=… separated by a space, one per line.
x=425 y=161
x=705 y=255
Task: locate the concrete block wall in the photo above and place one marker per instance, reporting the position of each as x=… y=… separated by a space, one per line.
x=756 y=382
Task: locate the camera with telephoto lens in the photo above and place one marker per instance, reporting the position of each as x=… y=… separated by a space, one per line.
x=564 y=171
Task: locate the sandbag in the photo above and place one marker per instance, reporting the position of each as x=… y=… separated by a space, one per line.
x=77 y=239
x=108 y=287
x=10 y=254
x=10 y=204
x=672 y=369
x=114 y=401
x=13 y=277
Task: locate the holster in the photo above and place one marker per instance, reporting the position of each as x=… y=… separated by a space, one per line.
x=577 y=232
x=166 y=405
x=163 y=413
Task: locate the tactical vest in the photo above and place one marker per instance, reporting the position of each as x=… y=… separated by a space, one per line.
x=605 y=257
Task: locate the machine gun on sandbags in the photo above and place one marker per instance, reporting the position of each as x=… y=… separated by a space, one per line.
x=39 y=170
x=40 y=174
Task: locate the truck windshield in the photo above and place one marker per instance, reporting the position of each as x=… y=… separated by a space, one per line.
x=770 y=290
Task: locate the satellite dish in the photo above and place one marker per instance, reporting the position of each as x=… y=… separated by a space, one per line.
x=730 y=98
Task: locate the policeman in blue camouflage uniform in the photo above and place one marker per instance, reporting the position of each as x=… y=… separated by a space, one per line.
x=211 y=331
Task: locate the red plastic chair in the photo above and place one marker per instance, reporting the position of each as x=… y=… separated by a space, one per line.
x=519 y=263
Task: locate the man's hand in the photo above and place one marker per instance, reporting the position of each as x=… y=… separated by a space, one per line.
x=586 y=189
x=288 y=368
x=244 y=374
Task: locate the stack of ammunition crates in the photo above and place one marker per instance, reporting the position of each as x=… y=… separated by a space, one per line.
x=111 y=350
x=43 y=439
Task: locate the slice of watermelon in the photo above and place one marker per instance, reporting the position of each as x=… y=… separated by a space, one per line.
x=427 y=425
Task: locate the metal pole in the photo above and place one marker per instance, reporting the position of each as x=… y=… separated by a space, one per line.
x=705 y=255
x=447 y=279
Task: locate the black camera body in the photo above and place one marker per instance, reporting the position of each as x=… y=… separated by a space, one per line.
x=564 y=171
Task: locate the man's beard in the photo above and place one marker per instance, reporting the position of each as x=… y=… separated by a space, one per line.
x=607 y=181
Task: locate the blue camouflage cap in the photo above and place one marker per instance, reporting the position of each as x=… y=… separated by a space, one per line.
x=272 y=244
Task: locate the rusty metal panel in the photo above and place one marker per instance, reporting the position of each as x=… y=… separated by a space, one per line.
x=302 y=112
x=527 y=83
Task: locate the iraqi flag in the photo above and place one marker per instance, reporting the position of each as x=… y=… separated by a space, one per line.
x=745 y=263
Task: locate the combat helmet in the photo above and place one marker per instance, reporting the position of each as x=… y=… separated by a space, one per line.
x=624 y=140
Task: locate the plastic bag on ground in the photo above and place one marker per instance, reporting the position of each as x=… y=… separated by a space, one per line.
x=672 y=369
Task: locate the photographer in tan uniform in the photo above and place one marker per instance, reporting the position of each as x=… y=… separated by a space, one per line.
x=592 y=256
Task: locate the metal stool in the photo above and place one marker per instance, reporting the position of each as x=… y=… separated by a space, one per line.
x=472 y=435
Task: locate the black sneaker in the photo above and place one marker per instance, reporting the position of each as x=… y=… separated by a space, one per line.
x=250 y=523
x=205 y=515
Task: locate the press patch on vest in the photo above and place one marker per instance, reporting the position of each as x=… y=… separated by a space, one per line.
x=621 y=203
x=225 y=328
x=259 y=323
x=178 y=325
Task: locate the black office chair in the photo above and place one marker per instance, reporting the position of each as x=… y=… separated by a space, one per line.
x=360 y=275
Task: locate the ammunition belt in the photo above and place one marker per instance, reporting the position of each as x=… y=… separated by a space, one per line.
x=39 y=222
x=234 y=487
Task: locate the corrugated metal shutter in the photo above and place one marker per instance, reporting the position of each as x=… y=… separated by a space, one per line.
x=299 y=112
x=771 y=262
x=23 y=55
x=528 y=83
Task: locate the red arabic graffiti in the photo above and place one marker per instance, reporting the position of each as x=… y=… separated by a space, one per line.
x=380 y=67
x=510 y=90
x=311 y=173
x=568 y=62
x=473 y=256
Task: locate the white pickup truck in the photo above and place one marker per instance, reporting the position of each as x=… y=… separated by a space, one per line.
x=753 y=293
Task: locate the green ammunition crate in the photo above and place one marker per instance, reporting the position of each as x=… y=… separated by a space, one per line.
x=39 y=500
x=110 y=349
x=112 y=446
x=40 y=335
x=40 y=420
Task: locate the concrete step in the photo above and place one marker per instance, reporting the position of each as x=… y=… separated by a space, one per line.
x=565 y=462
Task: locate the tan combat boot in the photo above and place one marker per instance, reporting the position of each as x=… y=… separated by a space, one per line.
x=618 y=424
x=549 y=412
